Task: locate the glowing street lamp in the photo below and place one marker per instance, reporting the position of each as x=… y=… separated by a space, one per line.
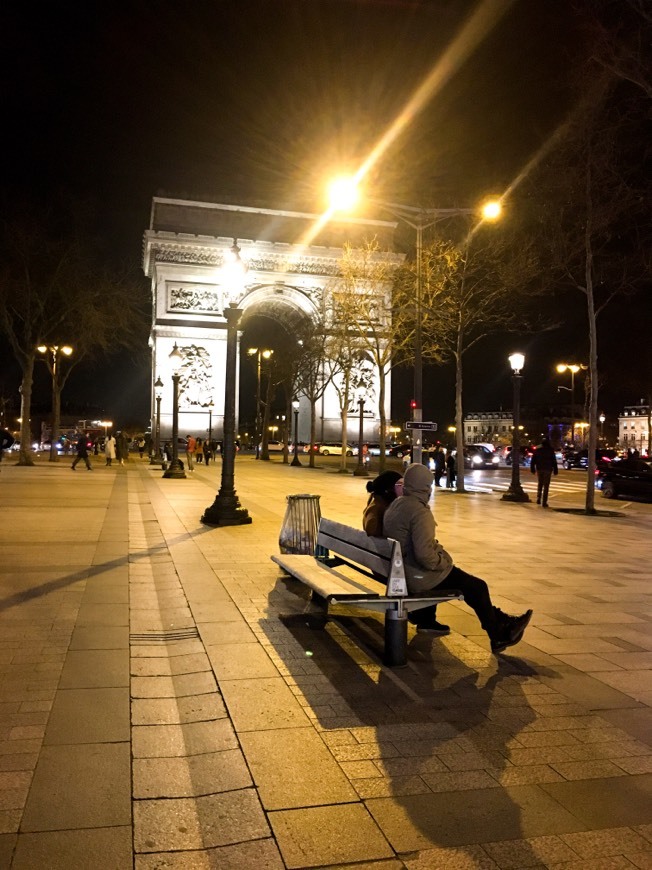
x=295 y=408
x=360 y=470
x=226 y=510
x=260 y=354
x=573 y=368
x=602 y=418
x=156 y=457
x=344 y=194
x=516 y=491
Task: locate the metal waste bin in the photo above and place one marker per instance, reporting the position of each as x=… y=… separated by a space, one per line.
x=300 y=525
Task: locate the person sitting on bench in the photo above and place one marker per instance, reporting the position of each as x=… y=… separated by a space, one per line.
x=428 y=567
x=383 y=490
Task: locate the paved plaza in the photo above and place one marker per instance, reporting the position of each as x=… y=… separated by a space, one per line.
x=169 y=700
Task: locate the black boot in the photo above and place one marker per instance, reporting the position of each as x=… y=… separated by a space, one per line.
x=508 y=630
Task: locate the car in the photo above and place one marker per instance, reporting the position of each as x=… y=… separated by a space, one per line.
x=315 y=448
x=580 y=458
x=477 y=456
x=525 y=454
x=400 y=450
x=273 y=446
x=334 y=448
x=631 y=477
x=373 y=449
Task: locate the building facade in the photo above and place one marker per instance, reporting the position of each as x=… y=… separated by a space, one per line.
x=634 y=428
x=292 y=258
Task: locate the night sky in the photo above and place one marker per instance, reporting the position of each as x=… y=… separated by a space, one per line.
x=258 y=102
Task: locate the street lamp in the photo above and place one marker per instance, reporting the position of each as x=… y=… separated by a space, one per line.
x=344 y=194
x=573 y=368
x=156 y=458
x=360 y=470
x=295 y=408
x=52 y=354
x=176 y=468
x=210 y=425
x=515 y=491
x=226 y=510
x=602 y=418
x=260 y=354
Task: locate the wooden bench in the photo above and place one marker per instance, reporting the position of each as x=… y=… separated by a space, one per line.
x=369 y=562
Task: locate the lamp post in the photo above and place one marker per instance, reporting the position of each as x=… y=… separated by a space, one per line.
x=295 y=408
x=360 y=470
x=52 y=354
x=176 y=468
x=573 y=368
x=602 y=418
x=156 y=458
x=515 y=491
x=226 y=510
x=344 y=193
x=210 y=426
x=260 y=354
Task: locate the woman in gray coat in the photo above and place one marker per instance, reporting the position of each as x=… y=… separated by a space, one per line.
x=428 y=567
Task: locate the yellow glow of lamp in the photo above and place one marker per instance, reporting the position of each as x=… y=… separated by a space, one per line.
x=492 y=210
x=517 y=361
x=343 y=193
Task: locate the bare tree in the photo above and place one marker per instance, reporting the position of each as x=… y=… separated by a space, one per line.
x=313 y=374
x=53 y=292
x=383 y=331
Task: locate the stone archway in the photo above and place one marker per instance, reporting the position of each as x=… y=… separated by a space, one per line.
x=184 y=250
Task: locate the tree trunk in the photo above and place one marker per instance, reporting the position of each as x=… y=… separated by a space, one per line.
x=313 y=432
x=459 y=415
x=288 y=424
x=382 y=459
x=266 y=416
x=25 y=455
x=56 y=420
x=593 y=348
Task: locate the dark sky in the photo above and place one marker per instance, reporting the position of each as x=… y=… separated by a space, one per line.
x=258 y=102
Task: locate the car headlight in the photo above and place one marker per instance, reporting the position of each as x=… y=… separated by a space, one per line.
x=476 y=460
x=495 y=459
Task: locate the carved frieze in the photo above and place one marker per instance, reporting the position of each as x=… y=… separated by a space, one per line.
x=195 y=377
x=174 y=252
x=198 y=298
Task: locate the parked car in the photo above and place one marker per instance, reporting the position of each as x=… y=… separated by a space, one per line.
x=631 y=477
x=580 y=458
x=315 y=448
x=334 y=448
x=400 y=450
x=477 y=456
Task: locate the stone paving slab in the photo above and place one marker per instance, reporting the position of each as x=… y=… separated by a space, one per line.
x=260 y=735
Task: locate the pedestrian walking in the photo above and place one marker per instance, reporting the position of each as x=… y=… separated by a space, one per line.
x=109 y=449
x=199 y=451
x=439 y=459
x=82 y=452
x=141 y=446
x=122 y=447
x=206 y=448
x=191 y=446
x=544 y=465
x=428 y=567
x=6 y=441
x=451 y=468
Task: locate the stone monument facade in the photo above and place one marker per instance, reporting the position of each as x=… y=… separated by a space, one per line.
x=292 y=258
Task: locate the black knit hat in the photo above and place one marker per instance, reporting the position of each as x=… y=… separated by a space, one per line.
x=384 y=483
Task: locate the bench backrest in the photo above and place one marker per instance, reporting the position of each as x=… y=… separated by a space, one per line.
x=381 y=555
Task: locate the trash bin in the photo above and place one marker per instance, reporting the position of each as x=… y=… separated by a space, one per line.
x=300 y=524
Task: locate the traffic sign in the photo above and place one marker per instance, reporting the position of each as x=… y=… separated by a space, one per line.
x=421 y=424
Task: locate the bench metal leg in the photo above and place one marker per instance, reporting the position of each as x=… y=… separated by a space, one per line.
x=396 y=638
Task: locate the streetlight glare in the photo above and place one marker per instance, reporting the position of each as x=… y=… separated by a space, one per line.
x=343 y=193
x=492 y=209
x=517 y=361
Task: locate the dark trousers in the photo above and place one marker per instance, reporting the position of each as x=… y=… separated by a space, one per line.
x=476 y=595
x=79 y=457
x=543 y=485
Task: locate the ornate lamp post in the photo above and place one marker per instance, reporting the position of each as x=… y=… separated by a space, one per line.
x=260 y=354
x=573 y=368
x=156 y=457
x=210 y=426
x=226 y=510
x=515 y=491
x=52 y=354
x=176 y=468
x=295 y=408
x=602 y=418
x=360 y=470
x=343 y=195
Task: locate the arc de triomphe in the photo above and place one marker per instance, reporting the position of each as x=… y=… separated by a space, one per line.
x=184 y=250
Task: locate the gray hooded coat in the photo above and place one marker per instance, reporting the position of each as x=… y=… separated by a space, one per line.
x=409 y=520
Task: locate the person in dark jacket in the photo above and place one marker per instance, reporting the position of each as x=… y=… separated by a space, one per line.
x=544 y=465
x=382 y=492
x=82 y=452
x=439 y=459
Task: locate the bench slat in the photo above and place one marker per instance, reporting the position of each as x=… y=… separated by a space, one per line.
x=326 y=581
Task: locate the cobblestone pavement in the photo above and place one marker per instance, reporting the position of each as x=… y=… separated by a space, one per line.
x=168 y=700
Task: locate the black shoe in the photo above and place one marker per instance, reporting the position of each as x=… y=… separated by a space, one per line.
x=510 y=632
x=437 y=629
x=545 y=504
